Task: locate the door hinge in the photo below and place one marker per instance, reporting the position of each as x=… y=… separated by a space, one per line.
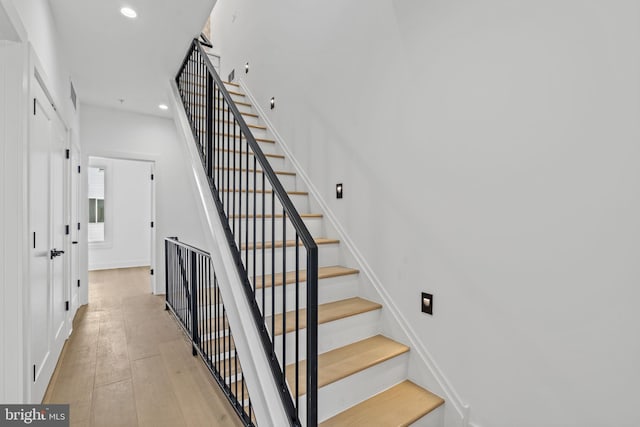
x=34 y=112
x=152 y=271
x=151 y=224
x=78 y=226
x=34 y=373
x=78 y=168
x=78 y=282
x=67 y=153
x=66 y=305
x=34 y=240
x=151 y=177
x=66 y=229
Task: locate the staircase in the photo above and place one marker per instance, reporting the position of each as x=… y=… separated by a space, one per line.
x=362 y=375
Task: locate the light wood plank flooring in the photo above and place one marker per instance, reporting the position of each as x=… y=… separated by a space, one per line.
x=128 y=364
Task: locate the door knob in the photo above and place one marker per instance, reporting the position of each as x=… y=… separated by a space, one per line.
x=55 y=253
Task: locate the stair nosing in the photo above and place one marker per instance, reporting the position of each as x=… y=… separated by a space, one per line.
x=371 y=306
x=303 y=278
x=290 y=244
x=399 y=350
x=435 y=403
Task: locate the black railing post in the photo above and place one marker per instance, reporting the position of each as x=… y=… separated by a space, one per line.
x=194 y=304
x=166 y=275
x=209 y=127
x=312 y=337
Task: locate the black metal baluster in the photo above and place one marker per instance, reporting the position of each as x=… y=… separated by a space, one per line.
x=194 y=303
x=209 y=127
x=297 y=361
x=215 y=329
x=234 y=178
x=238 y=172
x=273 y=273
x=264 y=242
x=254 y=221
x=246 y=213
x=284 y=296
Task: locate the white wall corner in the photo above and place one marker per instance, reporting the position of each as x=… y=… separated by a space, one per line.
x=261 y=385
x=455 y=406
x=14 y=18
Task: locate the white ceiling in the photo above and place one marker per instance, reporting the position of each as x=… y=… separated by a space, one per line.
x=112 y=57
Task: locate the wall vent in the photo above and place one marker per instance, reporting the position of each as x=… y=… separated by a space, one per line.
x=74 y=97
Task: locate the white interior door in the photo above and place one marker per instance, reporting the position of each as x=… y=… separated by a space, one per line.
x=39 y=289
x=48 y=288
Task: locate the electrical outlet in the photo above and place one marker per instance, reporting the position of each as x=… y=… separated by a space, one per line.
x=427 y=303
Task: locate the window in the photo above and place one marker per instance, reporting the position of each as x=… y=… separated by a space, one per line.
x=96 y=204
x=96 y=210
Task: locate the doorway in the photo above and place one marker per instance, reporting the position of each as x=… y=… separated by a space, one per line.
x=121 y=211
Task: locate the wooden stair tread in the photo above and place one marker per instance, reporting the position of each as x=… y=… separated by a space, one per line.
x=198 y=104
x=239 y=136
x=258 y=171
x=232 y=84
x=323 y=273
x=328 y=312
x=251 y=190
x=291 y=243
x=269 y=216
x=275 y=156
x=337 y=364
x=224 y=344
x=203 y=92
x=401 y=405
x=260 y=127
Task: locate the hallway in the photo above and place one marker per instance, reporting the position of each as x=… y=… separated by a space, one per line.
x=127 y=363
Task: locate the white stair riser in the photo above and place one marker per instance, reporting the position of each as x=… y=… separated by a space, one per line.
x=327 y=255
x=314 y=225
x=288 y=181
x=225 y=146
x=300 y=201
x=329 y=290
x=227 y=126
x=331 y=335
x=230 y=159
x=341 y=395
x=222 y=149
x=434 y=418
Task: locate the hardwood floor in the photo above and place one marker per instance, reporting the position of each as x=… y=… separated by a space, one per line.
x=128 y=364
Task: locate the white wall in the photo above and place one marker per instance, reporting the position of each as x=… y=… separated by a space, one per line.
x=37 y=45
x=127 y=194
x=13 y=61
x=119 y=134
x=489 y=154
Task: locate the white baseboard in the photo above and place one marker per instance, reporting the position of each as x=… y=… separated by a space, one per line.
x=450 y=395
x=118 y=264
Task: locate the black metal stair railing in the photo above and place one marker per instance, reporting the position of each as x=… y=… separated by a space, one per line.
x=258 y=215
x=192 y=295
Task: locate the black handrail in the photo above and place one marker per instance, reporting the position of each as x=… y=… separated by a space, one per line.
x=218 y=125
x=205 y=320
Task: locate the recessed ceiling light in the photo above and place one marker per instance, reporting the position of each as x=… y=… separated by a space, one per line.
x=163 y=106
x=128 y=12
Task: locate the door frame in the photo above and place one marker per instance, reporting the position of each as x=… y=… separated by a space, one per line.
x=115 y=155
